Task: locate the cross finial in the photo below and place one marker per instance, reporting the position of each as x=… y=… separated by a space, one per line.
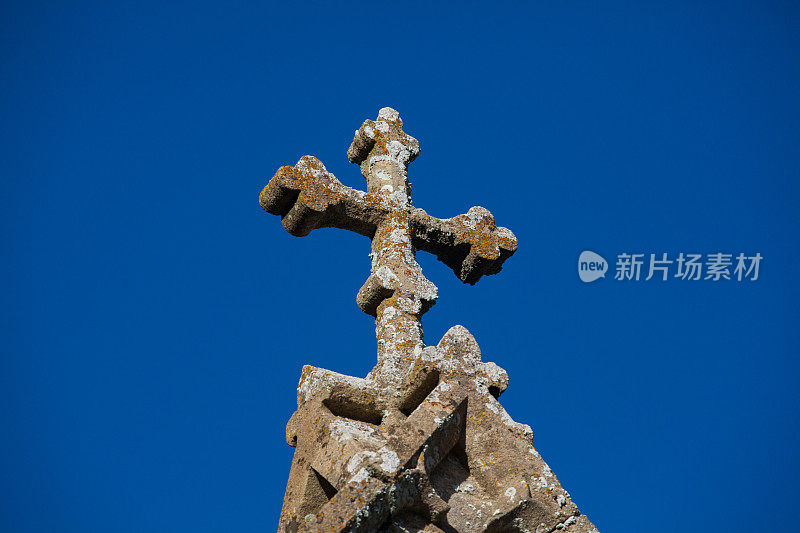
x=422 y=441
x=307 y=196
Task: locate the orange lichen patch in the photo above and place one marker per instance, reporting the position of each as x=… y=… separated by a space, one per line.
x=476 y=418
x=316 y=187
x=383 y=137
x=479 y=229
x=307 y=369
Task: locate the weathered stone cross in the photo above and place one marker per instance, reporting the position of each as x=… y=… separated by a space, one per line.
x=422 y=443
x=307 y=196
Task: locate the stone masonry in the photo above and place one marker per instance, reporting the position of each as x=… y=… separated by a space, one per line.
x=422 y=442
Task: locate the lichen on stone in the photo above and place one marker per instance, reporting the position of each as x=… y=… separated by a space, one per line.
x=422 y=441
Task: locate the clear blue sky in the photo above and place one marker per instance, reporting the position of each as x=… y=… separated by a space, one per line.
x=156 y=320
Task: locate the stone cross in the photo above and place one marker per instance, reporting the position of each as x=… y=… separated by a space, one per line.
x=422 y=442
x=307 y=196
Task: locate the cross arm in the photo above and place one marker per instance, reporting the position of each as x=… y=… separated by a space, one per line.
x=471 y=244
x=306 y=196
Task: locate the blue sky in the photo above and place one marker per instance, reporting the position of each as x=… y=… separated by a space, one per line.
x=156 y=319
